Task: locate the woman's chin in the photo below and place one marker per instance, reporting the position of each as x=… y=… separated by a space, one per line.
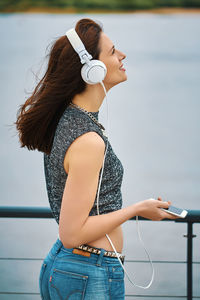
x=109 y=85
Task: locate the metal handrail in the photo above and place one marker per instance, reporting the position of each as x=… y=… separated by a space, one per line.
x=192 y=217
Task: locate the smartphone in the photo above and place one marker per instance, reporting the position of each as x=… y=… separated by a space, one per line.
x=179 y=212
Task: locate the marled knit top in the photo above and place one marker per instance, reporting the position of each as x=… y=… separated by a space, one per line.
x=73 y=124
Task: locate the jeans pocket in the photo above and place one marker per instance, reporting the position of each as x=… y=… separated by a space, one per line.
x=117 y=273
x=42 y=271
x=67 y=285
x=116 y=283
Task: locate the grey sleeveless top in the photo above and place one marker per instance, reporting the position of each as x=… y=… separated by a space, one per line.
x=73 y=124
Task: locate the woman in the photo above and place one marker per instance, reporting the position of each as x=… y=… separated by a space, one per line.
x=61 y=120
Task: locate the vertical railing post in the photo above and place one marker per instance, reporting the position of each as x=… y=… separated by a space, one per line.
x=189 y=259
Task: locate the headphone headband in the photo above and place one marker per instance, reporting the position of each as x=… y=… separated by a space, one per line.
x=78 y=45
x=93 y=71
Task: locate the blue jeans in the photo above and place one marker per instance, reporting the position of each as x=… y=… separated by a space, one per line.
x=65 y=275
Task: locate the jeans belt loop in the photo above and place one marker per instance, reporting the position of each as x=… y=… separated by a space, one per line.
x=100 y=257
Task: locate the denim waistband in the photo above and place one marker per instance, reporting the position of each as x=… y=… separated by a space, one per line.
x=93 y=258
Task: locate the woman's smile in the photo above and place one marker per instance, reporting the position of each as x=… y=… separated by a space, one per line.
x=122 y=69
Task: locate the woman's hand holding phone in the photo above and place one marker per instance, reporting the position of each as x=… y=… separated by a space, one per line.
x=153 y=209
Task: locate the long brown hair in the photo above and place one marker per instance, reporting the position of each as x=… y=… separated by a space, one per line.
x=38 y=117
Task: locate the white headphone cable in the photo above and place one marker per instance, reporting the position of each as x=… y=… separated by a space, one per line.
x=152 y=276
x=107 y=111
x=100 y=179
x=137 y=221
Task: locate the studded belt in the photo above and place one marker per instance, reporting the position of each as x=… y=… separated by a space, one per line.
x=97 y=251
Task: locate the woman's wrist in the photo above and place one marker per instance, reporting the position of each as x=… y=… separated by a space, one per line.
x=136 y=207
x=140 y=208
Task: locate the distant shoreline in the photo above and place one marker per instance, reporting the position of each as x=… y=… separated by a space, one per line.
x=47 y=10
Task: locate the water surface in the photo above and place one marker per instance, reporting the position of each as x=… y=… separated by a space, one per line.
x=154 y=129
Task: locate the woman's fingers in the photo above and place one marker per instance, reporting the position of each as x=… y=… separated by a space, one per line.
x=167 y=215
x=163 y=204
x=160 y=199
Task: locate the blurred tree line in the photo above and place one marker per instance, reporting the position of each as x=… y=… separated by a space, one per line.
x=22 y=5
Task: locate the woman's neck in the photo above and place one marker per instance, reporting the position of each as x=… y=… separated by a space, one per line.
x=91 y=99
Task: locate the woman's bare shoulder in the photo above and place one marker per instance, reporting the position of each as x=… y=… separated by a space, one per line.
x=86 y=149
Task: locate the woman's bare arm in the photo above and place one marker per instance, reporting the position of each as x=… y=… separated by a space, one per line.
x=83 y=162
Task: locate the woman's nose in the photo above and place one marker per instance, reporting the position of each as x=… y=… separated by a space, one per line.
x=122 y=55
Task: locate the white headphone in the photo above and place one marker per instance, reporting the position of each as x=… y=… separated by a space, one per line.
x=93 y=71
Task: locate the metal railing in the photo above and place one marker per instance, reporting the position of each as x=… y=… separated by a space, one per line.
x=192 y=217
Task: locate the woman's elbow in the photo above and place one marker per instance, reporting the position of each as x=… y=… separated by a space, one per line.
x=68 y=241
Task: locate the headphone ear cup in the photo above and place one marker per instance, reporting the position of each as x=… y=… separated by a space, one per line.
x=93 y=72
